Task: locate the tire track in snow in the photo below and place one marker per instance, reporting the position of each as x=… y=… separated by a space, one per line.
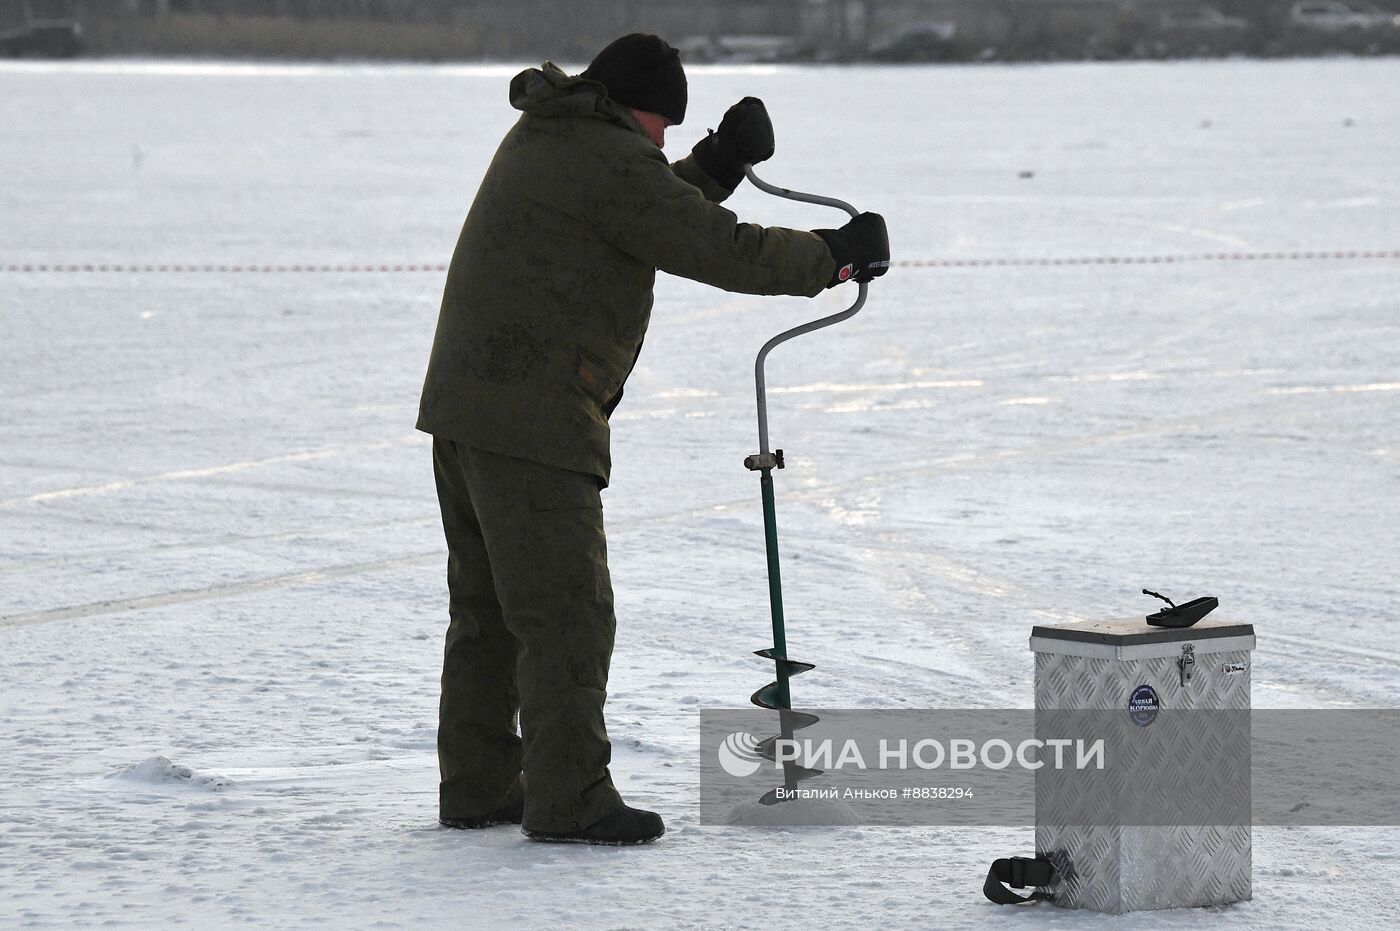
x=117 y=606
x=185 y=474
x=1247 y=412
x=808 y=388
x=1290 y=645
x=212 y=592
x=215 y=542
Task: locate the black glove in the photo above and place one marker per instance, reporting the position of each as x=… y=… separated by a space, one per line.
x=861 y=249
x=745 y=137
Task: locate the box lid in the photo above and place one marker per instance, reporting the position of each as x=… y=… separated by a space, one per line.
x=1134 y=638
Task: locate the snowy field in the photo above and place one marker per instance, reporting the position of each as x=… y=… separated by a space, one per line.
x=222 y=579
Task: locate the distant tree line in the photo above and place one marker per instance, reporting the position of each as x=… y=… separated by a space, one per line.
x=796 y=30
x=422 y=29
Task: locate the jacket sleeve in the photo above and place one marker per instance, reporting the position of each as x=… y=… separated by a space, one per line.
x=643 y=208
x=687 y=170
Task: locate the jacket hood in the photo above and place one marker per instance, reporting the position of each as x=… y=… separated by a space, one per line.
x=548 y=92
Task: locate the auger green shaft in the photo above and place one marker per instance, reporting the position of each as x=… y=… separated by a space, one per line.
x=780 y=692
x=775 y=583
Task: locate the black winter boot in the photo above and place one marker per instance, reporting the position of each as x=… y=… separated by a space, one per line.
x=623 y=828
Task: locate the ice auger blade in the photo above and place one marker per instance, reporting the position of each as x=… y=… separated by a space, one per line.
x=793 y=720
x=793 y=667
x=771 y=695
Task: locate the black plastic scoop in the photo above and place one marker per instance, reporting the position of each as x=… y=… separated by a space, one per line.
x=1183 y=615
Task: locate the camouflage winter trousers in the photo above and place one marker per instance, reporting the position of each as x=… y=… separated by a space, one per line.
x=529 y=641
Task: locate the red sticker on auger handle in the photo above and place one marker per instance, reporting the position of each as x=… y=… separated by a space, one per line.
x=846 y=272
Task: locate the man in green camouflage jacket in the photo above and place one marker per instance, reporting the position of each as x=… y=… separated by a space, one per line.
x=547 y=300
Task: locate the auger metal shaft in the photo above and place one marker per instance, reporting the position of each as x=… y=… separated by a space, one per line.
x=775 y=581
x=775 y=604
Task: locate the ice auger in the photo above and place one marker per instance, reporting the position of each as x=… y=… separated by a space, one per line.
x=775 y=695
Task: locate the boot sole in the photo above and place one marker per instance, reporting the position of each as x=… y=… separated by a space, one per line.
x=542 y=838
x=463 y=826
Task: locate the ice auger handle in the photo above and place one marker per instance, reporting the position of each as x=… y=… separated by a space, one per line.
x=786 y=335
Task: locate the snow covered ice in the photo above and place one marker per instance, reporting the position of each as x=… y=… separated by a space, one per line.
x=222 y=576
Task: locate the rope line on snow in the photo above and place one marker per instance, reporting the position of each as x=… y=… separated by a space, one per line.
x=1293 y=255
x=235 y=269
x=1283 y=256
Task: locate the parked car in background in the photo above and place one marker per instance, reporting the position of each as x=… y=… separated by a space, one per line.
x=1382 y=19
x=926 y=41
x=41 y=38
x=1187 y=30
x=1202 y=18
x=737 y=49
x=1336 y=16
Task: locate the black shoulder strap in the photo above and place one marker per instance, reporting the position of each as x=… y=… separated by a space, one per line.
x=1018 y=872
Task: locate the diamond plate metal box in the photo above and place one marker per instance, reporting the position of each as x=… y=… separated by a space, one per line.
x=1108 y=856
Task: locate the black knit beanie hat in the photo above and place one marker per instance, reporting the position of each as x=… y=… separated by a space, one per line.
x=643 y=72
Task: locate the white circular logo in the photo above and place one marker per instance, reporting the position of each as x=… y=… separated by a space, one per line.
x=738 y=754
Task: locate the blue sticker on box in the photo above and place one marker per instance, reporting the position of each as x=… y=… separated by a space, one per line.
x=1143 y=705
